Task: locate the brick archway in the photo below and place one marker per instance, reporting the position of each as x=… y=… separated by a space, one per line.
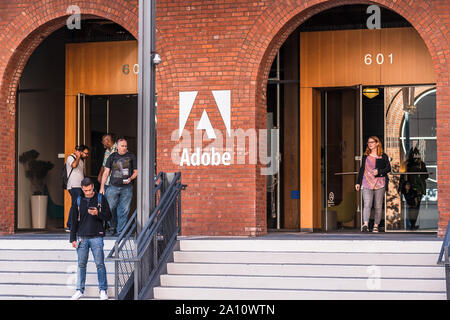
x=28 y=28
x=279 y=20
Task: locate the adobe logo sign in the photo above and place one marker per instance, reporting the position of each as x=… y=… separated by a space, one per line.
x=223 y=101
x=240 y=146
x=209 y=156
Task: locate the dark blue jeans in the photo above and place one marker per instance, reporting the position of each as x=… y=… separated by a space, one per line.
x=120 y=198
x=96 y=246
x=113 y=222
x=74 y=193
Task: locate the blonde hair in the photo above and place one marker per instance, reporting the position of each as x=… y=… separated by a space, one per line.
x=379 y=147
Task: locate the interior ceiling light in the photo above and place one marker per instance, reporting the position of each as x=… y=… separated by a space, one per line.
x=371 y=92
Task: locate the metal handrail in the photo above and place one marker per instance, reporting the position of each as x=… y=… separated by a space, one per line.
x=156 y=210
x=129 y=226
x=143 y=245
x=123 y=235
x=131 y=252
x=446 y=262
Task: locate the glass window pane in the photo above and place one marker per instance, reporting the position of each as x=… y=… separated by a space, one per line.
x=412 y=199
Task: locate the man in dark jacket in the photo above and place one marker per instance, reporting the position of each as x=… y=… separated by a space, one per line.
x=87 y=231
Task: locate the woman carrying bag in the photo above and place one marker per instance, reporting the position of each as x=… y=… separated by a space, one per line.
x=373 y=181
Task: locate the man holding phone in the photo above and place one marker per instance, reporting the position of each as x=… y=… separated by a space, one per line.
x=122 y=166
x=87 y=231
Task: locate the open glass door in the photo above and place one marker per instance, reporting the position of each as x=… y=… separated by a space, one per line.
x=93 y=118
x=84 y=126
x=411 y=201
x=101 y=114
x=341 y=154
x=83 y=108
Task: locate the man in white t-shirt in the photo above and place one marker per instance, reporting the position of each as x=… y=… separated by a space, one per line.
x=75 y=171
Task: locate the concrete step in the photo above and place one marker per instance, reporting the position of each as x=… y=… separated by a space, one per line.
x=338 y=246
x=40 y=244
x=47 y=290
x=266 y=269
x=197 y=293
x=47 y=269
x=59 y=278
x=49 y=266
x=423 y=259
x=43 y=255
x=306 y=270
x=304 y=283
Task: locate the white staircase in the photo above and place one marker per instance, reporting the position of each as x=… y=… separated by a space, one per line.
x=46 y=269
x=224 y=269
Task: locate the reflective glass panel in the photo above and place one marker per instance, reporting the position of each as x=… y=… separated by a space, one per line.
x=411 y=144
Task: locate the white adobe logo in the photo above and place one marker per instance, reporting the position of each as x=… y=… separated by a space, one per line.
x=223 y=101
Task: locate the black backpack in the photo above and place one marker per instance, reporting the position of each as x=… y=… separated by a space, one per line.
x=64 y=177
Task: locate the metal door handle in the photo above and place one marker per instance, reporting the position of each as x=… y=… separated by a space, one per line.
x=345 y=173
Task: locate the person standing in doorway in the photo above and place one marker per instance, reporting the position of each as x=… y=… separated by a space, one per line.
x=122 y=166
x=111 y=147
x=373 y=180
x=87 y=232
x=412 y=204
x=75 y=165
x=417 y=182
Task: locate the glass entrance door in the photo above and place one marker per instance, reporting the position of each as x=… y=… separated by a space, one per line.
x=101 y=114
x=341 y=150
x=84 y=127
x=411 y=201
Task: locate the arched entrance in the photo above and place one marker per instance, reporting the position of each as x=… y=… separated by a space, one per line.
x=28 y=36
x=284 y=19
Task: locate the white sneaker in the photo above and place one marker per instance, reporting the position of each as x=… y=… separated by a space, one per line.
x=103 y=295
x=77 y=295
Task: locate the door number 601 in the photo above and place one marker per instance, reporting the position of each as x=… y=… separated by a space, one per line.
x=126 y=69
x=379 y=58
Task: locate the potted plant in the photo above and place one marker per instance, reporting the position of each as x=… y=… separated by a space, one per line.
x=36 y=171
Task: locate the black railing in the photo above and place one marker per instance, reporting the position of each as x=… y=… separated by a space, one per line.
x=444 y=259
x=139 y=258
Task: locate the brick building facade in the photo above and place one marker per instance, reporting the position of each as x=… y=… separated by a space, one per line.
x=207 y=46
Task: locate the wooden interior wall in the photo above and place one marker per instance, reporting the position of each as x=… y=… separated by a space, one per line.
x=96 y=68
x=310 y=157
x=316 y=169
x=291 y=164
x=348 y=58
x=340 y=58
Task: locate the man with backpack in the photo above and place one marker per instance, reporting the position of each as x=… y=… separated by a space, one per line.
x=90 y=213
x=75 y=174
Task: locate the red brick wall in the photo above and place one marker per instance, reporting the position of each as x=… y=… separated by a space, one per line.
x=210 y=45
x=23 y=25
x=231 y=45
